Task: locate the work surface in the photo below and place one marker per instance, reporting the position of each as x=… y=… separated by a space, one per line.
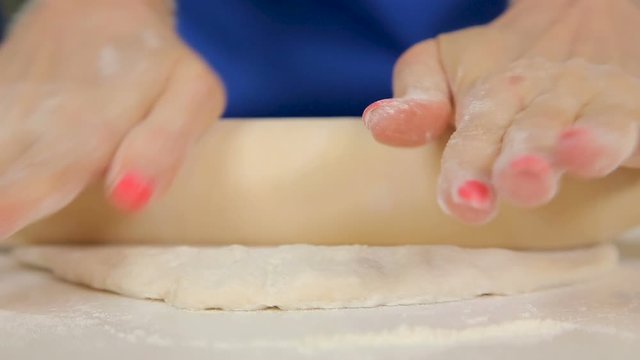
x=44 y=317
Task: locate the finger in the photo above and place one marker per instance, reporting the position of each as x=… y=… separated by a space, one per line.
x=464 y=187
x=524 y=173
x=421 y=108
x=603 y=138
x=151 y=154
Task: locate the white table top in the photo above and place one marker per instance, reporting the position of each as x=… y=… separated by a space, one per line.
x=41 y=317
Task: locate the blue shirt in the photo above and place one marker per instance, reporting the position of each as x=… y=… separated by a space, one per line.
x=315 y=57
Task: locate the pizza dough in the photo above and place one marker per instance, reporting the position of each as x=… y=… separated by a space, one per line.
x=306 y=276
x=326 y=182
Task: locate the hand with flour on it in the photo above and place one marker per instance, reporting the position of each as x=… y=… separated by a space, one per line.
x=548 y=88
x=96 y=90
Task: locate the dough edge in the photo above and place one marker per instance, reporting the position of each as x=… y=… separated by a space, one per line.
x=294 y=277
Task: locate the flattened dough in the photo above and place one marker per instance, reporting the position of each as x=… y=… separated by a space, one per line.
x=307 y=276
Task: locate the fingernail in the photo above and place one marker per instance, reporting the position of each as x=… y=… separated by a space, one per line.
x=572 y=133
x=366 y=115
x=475 y=193
x=132 y=192
x=531 y=165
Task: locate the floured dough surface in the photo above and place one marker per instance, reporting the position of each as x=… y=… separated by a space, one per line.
x=308 y=276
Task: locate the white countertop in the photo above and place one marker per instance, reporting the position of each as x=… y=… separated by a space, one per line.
x=41 y=317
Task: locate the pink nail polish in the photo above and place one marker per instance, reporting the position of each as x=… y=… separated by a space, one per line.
x=527 y=181
x=571 y=135
x=475 y=193
x=132 y=192
x=531 y=164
